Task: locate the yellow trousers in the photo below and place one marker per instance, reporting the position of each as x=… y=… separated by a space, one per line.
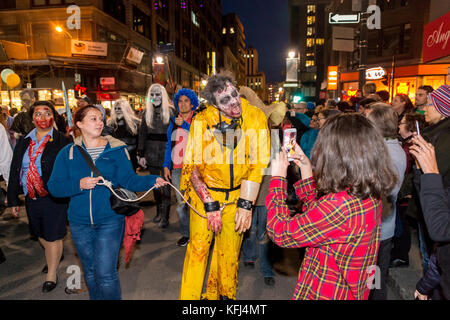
x=222 y=280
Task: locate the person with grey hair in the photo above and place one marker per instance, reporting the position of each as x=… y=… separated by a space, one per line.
x=385 y=120
x=23 y=122
x=221 y=190
x=124 y=125
x=152 y=143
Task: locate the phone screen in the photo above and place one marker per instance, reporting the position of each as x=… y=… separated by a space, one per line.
x=289 y=139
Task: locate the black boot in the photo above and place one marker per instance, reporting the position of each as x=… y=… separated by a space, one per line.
x=165 y=217
x=157 y=218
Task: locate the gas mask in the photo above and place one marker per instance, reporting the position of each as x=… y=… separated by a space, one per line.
x=156 y=96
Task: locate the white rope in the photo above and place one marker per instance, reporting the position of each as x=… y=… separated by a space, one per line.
x=108 y=184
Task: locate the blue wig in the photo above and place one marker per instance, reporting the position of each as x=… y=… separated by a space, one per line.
x=188 y=93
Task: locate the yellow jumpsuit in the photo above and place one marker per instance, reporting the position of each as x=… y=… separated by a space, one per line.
x=204 y=151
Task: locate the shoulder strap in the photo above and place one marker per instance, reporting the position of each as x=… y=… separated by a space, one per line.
x=89 y=161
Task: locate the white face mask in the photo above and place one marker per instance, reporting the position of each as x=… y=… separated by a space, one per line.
x=229 y=101
x=156 y=96
x=119 y=112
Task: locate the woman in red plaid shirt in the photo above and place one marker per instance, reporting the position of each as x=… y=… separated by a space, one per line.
x=341 y=219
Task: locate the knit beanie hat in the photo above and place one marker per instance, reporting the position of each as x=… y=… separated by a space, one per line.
x=441 y=100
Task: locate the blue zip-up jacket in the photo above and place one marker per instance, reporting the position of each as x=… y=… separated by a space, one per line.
x=168 y=153
x=93 y=206
x=167 y=163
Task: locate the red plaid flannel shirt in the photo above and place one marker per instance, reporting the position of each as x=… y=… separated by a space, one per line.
x=341 y=233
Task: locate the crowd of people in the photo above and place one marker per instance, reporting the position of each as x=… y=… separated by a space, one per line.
x=359 y=176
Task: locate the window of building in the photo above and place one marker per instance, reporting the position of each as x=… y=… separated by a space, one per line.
x=310 y=20
x=224 y=31
x=310 y=54
x=162 y=9
x=37 y=3
x=141 y=22
x=309 y=42
x=396 y=40
x=310 y=31
x=162 y=35
x=231 y=30
x=319 y=41
x=115 y=8
x=309 y=63
x=311 y=9
x=8 y=4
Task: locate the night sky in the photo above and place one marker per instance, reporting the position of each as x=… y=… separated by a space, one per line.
x=266 y=28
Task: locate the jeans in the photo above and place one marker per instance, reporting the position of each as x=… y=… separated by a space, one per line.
x=182 y=207
x=424 y=245
x=98 y=247
x=258 y=232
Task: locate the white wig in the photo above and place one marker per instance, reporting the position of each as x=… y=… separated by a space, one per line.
x=131 y=120
x=166 y=106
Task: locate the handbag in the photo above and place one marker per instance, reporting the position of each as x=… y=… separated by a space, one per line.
x=119 y=206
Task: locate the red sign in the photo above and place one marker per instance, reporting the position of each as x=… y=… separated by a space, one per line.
x=112 y=96
x=436 y=39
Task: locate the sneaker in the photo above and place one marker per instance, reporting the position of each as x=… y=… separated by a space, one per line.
x=269 y=281
x=183 y=242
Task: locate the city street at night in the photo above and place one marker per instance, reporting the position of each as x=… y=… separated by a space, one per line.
x=253 y=152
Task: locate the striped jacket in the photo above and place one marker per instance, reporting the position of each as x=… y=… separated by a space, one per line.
x=341 y=233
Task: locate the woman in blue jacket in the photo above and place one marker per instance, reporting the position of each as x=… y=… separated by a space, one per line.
x=96 y=229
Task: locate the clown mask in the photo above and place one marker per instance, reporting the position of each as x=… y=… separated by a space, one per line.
x=43 y=117
x=229 y=101
x=156 y=96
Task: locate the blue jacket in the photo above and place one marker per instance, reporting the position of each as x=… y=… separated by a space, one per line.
x=307 y=141
x=93 y=206
x=167 y=163
x=168 y=153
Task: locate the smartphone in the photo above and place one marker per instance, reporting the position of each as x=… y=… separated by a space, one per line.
x=417 y=128
x=289 y=139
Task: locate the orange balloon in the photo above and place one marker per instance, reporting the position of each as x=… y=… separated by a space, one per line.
x=12 y=80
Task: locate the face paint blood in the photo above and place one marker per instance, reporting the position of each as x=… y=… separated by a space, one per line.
x=44 y=124
x=43 y=117
x=229 y=101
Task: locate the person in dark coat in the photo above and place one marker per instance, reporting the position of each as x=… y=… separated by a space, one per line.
x=31 y=167
x=151 y=145
x=125 y=125
x=435 y=202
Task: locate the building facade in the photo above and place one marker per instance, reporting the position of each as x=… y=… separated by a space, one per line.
x=233 y=37
x=112 y=51
x=397 y=48
x=254 y=78
x=307 y=23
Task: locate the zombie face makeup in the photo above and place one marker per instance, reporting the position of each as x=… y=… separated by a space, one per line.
x=229 y=101
x=43 y=117
x=118 y=111
x=156 y=96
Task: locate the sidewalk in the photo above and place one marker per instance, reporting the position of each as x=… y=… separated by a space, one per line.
x=403 y=280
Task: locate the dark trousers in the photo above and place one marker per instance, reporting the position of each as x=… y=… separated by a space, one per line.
x=161 y=195
x=402 y=237
x=384 y=257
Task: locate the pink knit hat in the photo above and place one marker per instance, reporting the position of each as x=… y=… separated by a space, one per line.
x=441 y=100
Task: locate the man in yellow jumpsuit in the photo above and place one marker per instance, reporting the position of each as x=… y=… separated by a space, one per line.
x=227 y=152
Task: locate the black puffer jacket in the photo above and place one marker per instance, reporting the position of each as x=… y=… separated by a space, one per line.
x=435 y=202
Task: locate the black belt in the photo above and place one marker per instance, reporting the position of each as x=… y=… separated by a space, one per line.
x=227 y=191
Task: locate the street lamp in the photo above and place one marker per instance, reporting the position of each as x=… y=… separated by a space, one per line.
x=291 y=54
x=159 y=60
x=59 y=29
